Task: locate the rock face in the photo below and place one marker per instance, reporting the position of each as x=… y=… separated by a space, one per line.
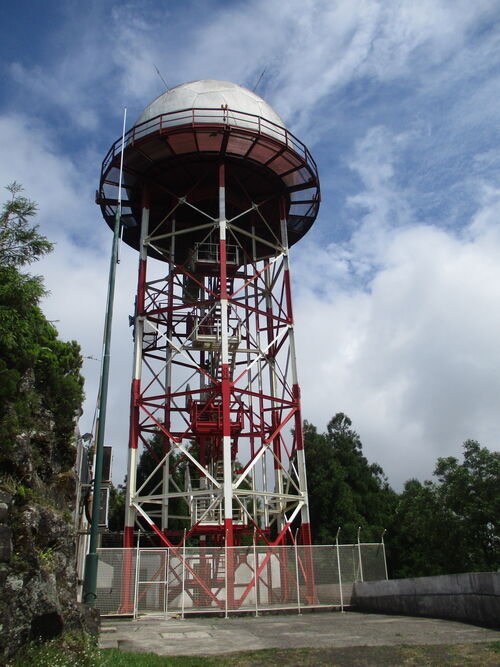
x=37 y=574
x=41 y=392
x=37 y=548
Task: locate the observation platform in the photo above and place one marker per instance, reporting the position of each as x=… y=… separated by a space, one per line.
x=174 y=146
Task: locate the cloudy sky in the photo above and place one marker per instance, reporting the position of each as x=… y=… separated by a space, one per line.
x=397 y=286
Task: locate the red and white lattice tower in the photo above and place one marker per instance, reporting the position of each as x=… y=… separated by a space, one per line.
x=217 y=190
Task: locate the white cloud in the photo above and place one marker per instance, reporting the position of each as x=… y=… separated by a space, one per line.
x=58 y=88
x=405 y=318
x=412 y=359
x=314 y=49
x=62 y=186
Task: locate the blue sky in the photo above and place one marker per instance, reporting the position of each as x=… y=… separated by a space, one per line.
x=397 y=285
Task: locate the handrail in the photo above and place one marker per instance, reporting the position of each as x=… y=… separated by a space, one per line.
x=161 y=123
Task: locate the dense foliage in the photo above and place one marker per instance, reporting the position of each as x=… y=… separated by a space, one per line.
x=344 y=489
x=446 y=526
x=39 y=374
x=451 y=525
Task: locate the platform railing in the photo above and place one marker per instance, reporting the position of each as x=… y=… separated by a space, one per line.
x=209 y=116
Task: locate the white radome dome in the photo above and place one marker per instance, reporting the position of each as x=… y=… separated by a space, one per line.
x=213 y=94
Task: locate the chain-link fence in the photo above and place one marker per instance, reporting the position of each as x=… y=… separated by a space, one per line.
x=234 y=579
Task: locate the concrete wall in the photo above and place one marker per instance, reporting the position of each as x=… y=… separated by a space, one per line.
x=474 y=597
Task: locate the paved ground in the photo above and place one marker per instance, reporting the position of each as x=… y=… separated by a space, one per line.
x=205 y=636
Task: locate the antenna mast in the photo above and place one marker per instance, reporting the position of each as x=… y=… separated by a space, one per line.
x=90 y=578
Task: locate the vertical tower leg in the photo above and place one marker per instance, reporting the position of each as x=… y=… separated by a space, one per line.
x=226 y=393
x=168 y=389
x=299 y=440
x=128 y=536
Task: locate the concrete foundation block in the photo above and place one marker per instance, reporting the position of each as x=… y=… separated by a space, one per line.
x=470 y=597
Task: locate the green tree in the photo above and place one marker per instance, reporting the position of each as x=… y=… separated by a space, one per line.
x=470 y=492
x=325 y=484
x=344 y=488
x=450 y=525
x=416 y=532
x=40 y=379
x=20 y=241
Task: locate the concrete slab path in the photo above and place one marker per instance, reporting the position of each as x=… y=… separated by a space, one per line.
x=204 y=636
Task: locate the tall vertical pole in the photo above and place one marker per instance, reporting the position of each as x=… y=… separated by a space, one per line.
x=90 y=577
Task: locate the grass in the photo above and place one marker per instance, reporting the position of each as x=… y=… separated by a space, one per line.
x=73 y=649
x=77 y=650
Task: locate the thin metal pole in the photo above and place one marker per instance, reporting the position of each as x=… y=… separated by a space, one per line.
x=359 y=555
x=255 y=568
x=225 y=574
x=121 y=156
x=183 y=570
x=167 y=577
x=137 y=571
x=91 y=561
x=120 y=181
x=383 y=551
x=297 y=570
x=164 y=582
x=340 y=572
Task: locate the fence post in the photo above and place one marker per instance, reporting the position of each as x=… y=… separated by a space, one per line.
x=340 y=572
x=183 y=571
x=225 y=547
x=137 y=570
x=167 y=570
x=383 y=551
x=255 y=568
x=359 y=555
x=297 y=571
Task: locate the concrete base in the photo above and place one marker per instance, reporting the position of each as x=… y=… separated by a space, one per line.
x=472 y=597
x=205 y=635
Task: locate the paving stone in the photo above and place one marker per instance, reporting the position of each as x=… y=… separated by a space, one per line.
x=170 y=636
